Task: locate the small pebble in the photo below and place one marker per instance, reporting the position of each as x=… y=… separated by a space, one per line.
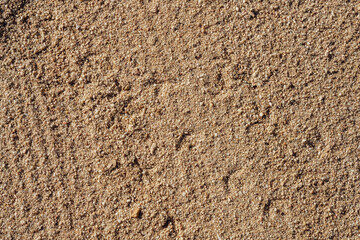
x=153 y=148
x=111 y=165
x=154 y=9
x=136 y=212
x=291 y=152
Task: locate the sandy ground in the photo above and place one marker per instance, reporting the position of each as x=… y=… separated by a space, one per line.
x=200 y=119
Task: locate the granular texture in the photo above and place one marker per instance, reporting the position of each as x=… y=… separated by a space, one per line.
x=141 y=119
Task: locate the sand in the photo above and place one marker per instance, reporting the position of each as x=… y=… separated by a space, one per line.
x=200 y=119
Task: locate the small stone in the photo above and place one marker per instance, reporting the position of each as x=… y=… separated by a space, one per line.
x=203 y=29
x=111 y=165
x=275 y=7
x=253 y=13
x=152 y=40
x=291 y=152
x=136 y=212
x=154 y=8
x=127 y=87
x=153 y=148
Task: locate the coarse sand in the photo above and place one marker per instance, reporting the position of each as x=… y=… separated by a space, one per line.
x=188 y=119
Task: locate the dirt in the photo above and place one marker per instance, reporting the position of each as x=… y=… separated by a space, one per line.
x=179 y=119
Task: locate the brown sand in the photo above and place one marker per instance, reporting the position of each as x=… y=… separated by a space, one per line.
x=180 y=119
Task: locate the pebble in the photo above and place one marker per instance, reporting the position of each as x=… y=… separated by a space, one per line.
x=291 y=152
x=136 y=212
x=153 y=148
x=154 y=8
x=111 y=165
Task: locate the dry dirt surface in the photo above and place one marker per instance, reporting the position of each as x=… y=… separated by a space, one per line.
x=189 y=119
